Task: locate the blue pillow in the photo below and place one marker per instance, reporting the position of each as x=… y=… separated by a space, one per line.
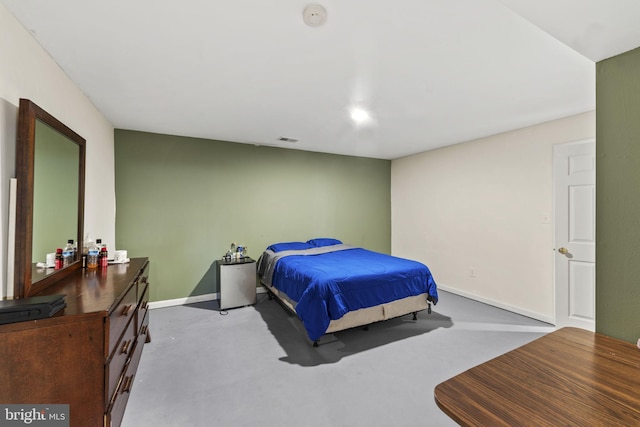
x=323 y=242
x=289 y=246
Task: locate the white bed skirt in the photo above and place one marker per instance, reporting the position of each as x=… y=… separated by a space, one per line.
x=365 y=316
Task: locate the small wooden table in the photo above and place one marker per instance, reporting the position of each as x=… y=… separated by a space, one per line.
x=570 y=377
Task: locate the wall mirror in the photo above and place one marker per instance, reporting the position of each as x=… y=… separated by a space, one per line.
x=50 y=165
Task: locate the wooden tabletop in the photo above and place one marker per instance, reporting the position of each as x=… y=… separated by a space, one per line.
x=570 y=377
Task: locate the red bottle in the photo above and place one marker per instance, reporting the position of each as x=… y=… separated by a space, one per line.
x=59 y=262
x=103 y=260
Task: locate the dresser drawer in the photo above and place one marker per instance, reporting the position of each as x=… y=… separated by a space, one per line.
x=143 y=305
x=121 y=356
x=143 y=330
x=118 y=403
x=142 y=279
x=120 y=317
x=125 y=383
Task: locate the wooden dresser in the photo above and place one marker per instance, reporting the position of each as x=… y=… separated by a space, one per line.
x=87 y=355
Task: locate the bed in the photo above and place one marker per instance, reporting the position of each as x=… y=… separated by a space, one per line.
x=332 y=286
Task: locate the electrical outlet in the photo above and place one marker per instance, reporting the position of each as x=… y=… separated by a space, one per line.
x=472 y=272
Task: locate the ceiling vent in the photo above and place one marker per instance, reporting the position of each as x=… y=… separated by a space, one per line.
x=285 y=139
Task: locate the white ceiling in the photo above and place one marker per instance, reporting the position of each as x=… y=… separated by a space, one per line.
x=430 y=72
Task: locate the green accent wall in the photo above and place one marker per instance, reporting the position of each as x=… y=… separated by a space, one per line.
x=618 y=196
x=182 y=201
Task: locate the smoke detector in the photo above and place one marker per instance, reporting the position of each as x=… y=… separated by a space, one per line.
x=314 y=15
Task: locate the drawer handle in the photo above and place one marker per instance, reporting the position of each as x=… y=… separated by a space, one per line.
x=144 y=279
x=125 y=347
x=125 y=310
x=126 y=388
x=144 y=329
x=144 y=305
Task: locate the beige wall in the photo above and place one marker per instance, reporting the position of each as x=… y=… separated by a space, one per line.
x=481 y=206
x=27 y=71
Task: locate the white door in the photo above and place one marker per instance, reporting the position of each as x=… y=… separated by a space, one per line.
x=575 y=234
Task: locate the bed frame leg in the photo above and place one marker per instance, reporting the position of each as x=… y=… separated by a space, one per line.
x=315 y=344
x=415 y=315
x=429 y=308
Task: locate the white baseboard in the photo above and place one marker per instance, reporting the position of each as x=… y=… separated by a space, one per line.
x=517 y=310
x=261 y=289
x=191 y=300
x=183 y=301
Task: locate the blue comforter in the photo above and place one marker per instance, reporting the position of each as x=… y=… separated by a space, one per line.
x=326 y=286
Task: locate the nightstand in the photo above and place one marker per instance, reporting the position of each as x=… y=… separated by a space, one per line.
x=236 y=282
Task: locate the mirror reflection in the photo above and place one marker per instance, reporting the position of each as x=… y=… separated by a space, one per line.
x=50 y=165
x=55 y=191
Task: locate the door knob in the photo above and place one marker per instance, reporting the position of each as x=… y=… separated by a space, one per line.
x=563 y=251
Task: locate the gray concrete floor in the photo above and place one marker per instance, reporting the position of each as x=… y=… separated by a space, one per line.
x=254 y=366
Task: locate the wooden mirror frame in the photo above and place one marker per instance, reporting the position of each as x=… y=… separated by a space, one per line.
x=25 y=155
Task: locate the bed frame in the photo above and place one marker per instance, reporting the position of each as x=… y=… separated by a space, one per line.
x=364 y=316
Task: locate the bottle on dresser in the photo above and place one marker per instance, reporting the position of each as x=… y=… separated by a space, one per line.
x=67 y=253
x=59 y=262
x=85 y=249
x=104 y=257
x=93 y=252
